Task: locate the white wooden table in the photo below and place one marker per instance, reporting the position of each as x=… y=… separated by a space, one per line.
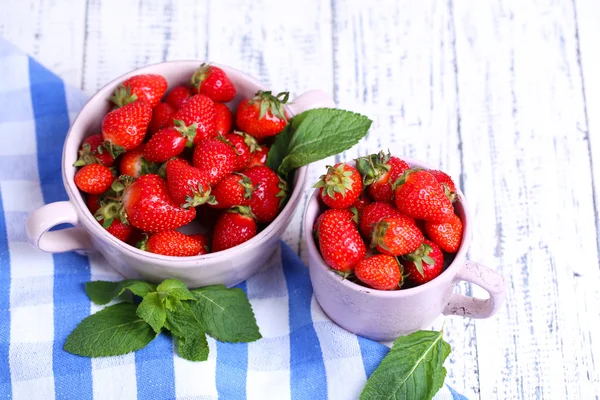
x=502 y=94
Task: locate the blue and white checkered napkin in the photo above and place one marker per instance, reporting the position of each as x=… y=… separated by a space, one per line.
x=303 y=355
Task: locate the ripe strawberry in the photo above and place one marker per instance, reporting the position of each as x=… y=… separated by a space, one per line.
x=263 y=115
x=125 y=128
x=223 y=119
x=379 y=172
x=93 y=203
x=135 y=165
x=359 y=205
x=92 y=151
x=200 y=110
x=375 y=212
x=341 y=186
x=162 y=115
x=259 y=157
x=245 y=146
x=172 y=243
x=447 y=183
x=216 y=157
x=213 y=82
x=149 y=88
x=177 y=96
x=204 y=243
x=424 y=264
x=380 y=272
x=119 y=230
x=339 y=241
x=169 y=142
x=188 y=186
x=233 y=190
x=93 y=179
x=419 y=195
x=270 y=193
x=396 y=236
x=235 y=226
x=447 y=235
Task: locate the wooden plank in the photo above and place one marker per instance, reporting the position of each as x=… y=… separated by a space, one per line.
x=527 y=173
x=51 y=31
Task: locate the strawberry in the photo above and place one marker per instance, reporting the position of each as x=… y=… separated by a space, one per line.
x=214 y=83
x=223 y=119
x=419 y=195
x=233 y=190
x=380 y=272
x=447 y=183
x=447 y=235
x=373 y=213
x=379 y=171
x=270 y=193
x=200 y=110
x=93 y=203
x=125 y=128
x=396 y=236
x=360 y=204
x=339 y=241
x=424 y=264
x=259 y=157
x=149 y=88
x=235 y=226
x=177 y=96
x=245 y=146
x=162 y=115
x=341 y=186
x=204 y=243
x=92 y=151
x=172 y=243
x=119 y=230
x=94 y=179
x=169 y=142
x=188 y=185
x=135 y=165
x=216 y=157
x=262 y=115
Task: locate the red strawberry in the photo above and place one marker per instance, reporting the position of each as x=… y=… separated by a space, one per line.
x=213 y=82
x=93 y=179
x=373 y=213
x=245 y=146
x=93 y=203
x=119 y=230
x=380 y=272
x=396 y=236
x=360 y=204
x=263 y=115
x=233 y=190
x=92 y=151
x=339 y=241
x=149 y=88
x=259 y=157
x=200 y=110
x=447 y=183
x=177 y=96
x=172 y=243
x=379 y=172
x=169 y=142
x=270 y=193
x=419 y=195
x=162 y=115
x=447 y=235
x=204 y=243
x=135 y=165
x=424 y=264
x=223 y=119
x=125 y=128
x=341 y=186
x=216 y=157
x=234 y=227
x=188 y=185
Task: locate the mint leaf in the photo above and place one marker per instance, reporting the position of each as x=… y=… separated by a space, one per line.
x=193 y=349
x=175 y=289
x=152 y=310
x=102 y=292
x=183 y=323
x=322 y=132
x=413 y=369
x=226 y=314
x=113 y=331
x=279 y=148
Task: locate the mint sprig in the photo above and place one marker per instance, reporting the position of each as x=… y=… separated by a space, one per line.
x=225 y=314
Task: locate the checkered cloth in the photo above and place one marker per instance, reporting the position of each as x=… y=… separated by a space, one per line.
x=302 y=355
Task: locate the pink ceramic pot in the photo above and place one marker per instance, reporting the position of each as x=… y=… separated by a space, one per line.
x=386 y=315
x=227 y=267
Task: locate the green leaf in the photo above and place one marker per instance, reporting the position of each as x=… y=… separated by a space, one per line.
x=183 y=323
x=113 y=331
x=193 y=349
x=279 y=148
x=102 y=292
x=152 y=310
x=175 y=289
x=226 y=314
x=413 y=369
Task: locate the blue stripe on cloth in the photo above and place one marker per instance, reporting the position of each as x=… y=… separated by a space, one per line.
x=308 y=379
x=455 y=394
x=5 y=382
x=372 y=354
x=232 y=367
x=154 y=369
x=72 y=374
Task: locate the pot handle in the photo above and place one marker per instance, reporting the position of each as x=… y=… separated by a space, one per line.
x=309 y=100
x=473 y=307
x=49 y=216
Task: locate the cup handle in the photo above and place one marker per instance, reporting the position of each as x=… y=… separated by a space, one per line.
x=309 y=100
x=53 y=214
x=473 y=307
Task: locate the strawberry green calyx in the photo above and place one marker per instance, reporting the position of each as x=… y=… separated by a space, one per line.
x=113 y=149
x=110 y=210
x=143 y=244
x=336 y=180
x=200 y=75
x=86 y=157
x=452 y=196
x=378 y=235
x=249 y=141
x=269 y=102
x=246 y=184
x=420 y=256
x=122 y=96
x=246 y=211
x=228 y=143
x=283 y=191
x=373 y=166
x=188 y=132
x=200 y=196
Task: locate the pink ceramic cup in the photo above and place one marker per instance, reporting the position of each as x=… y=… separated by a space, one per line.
x=227 y=267
x=386 y=315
